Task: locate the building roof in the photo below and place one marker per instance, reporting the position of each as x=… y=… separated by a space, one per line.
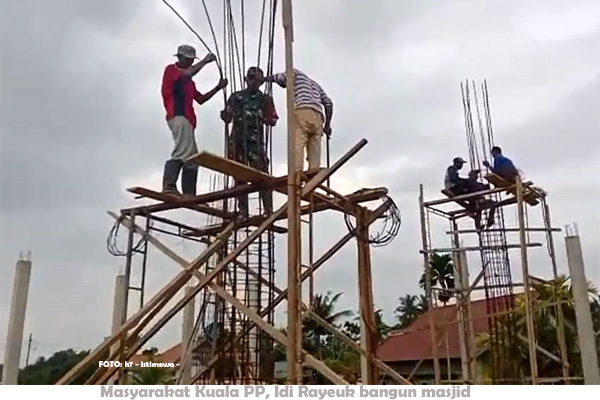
x=414 y=343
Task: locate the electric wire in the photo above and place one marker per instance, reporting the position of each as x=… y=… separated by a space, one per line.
x=392 y=222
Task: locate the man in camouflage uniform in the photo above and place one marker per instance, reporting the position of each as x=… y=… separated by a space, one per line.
x=250 y=110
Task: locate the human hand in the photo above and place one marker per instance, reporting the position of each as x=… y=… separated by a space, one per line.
x=487 y=164
x=209 y=58
x=223 y=83
x=225 y=116
x=327 y=130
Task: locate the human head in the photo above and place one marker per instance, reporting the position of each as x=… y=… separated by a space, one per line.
x=186 y=55
x=458 y=162
x=254 y=77
x=474 y=174
x=496 y=151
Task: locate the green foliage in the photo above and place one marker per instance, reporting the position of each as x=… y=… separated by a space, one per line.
x=49 y=371
x=442 y=276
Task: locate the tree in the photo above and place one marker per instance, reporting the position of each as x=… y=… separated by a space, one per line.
x=324 y=307
x=546 y=323
x=442 y=276
x=49 y=371
x=407 y=311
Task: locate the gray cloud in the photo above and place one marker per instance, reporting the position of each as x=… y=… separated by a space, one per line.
x=81 y=117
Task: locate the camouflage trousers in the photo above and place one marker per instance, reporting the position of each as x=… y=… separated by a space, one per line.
x=252 y=155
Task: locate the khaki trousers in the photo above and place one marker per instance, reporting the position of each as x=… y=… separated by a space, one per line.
x=309 y=132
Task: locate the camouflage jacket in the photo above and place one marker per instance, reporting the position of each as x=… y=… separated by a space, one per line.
x=250 y=111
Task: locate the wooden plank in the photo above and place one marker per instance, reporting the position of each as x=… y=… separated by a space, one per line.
x=232 y=168
x=499 y=182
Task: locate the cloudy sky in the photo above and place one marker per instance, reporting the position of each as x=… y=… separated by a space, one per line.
x=82 y=119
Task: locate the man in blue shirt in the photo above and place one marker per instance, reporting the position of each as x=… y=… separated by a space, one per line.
x=503 y=166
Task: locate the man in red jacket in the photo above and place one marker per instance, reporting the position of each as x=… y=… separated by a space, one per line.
x=179 y=93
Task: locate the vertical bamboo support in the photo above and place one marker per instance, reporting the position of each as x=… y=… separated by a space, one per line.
x=562 y=342
x=368 y=324
x=294 y=338
x=427 y=267
x=311 y=252
x=528 y=310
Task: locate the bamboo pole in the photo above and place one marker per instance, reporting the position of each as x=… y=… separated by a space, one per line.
x=427 y=267
x=525 y=269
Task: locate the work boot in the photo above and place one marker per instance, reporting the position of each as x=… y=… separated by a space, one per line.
x=189 y=179
x=170 y=176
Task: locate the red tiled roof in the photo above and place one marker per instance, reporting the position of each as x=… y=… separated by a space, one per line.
x=414 y=343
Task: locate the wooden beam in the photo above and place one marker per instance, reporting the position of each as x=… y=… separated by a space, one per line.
x=251 y=314
x=166 y=292
x=170 y=198
x=478 y=248
x=529 y=195
x=317 y=264
x=357 y=197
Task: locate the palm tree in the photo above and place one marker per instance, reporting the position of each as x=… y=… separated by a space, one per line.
x=408 y=310
x=442 y=276
x=422 y=303
x=151 y=375
x=546 y=323
x=324 y=307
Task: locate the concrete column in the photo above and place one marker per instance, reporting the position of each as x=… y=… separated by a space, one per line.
x=187 y=330
x=118 y=307
x=16 y=323
x=585 y=330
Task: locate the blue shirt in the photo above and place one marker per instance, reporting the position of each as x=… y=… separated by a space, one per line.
x=503 y=165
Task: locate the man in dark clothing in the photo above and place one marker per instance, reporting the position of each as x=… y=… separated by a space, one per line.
x=179 y=93
x=250 y=110
x=503 y=166
x=452 y=181
x=481 y=202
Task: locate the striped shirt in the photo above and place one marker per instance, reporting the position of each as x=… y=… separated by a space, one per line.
x=308 y=93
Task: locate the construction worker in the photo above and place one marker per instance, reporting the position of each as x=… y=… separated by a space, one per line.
x=179 y=93
x=250 y=110
x=480 y=202
x=311 y=122
x=453 y=182
x=503 y=166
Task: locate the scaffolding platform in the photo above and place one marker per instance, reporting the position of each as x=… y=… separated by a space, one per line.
x=529 y=195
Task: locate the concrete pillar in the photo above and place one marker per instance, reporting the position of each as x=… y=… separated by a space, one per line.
x=585 y=330
x=117 y=316
x=16 y=323
x=187 y=330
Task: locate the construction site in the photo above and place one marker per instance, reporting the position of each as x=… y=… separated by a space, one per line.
x=226 y=297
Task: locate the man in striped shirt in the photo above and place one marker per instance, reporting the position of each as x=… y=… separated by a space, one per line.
x=313 y=112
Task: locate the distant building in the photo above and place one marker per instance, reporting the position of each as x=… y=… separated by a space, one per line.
x=405 y=348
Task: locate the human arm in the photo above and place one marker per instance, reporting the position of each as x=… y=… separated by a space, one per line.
x=328 y=105
x=202 y=98
x=270 y=112
x=194 y=69
x=278 y=78
x=453 y=175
